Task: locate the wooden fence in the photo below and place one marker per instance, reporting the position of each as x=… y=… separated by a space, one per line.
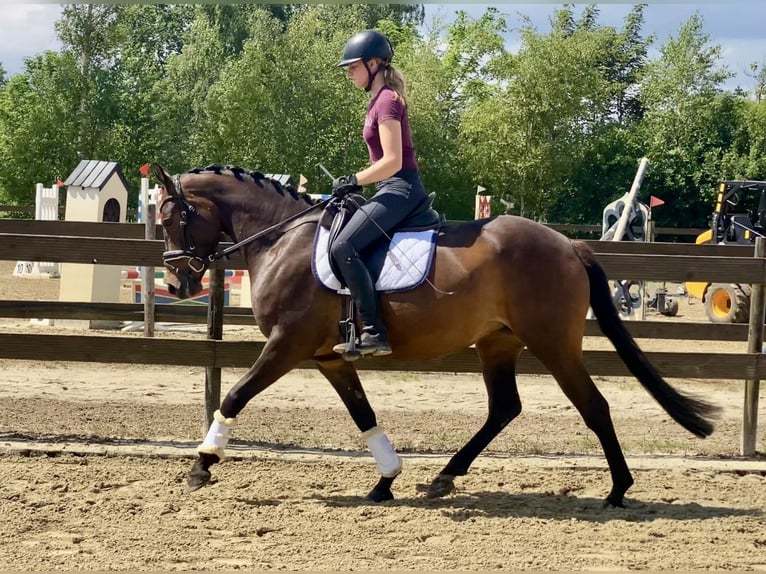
x=578 y=229
x=122 y=244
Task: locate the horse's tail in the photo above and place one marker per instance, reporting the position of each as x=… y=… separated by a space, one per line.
x=693 y=414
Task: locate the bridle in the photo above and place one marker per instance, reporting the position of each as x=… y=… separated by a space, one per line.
x=188 y=251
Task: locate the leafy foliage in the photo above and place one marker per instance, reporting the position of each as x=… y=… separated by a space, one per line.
x=556 y=126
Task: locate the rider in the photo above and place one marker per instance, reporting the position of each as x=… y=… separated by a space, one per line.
x=393 y=170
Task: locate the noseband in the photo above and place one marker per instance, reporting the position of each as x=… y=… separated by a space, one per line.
x=188 y=251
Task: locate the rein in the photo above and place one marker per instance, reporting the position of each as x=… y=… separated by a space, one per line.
x=189 y=250
x=213 y=257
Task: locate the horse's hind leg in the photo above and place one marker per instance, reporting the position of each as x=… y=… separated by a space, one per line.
x=498 y=353
x=574 y=380
x=345 y=380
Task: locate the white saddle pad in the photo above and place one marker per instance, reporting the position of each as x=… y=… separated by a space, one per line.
x=407 y=261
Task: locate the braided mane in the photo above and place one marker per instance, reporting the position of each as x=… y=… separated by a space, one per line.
x=256 y=177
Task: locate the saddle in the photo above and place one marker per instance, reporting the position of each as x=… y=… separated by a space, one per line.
x=398 y=265
x=424 y=216
x=337 y=214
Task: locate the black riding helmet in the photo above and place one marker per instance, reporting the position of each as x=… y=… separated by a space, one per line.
x=364 y=46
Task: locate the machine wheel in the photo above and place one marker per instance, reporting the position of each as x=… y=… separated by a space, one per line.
x=671 y=308
x=728 y=303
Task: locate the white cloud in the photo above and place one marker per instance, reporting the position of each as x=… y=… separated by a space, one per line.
x=26 y=30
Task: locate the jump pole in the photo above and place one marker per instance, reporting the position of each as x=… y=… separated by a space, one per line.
x=147 y=273
x=622 y=223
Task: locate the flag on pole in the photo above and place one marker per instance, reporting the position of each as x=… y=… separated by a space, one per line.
x=144 y=170
x=59 y=183
x=655 y=201
x=302 y=181
x=479 y=189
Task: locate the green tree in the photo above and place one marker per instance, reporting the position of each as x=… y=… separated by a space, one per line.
x=758 y=73
x=611 y=151
x=146 y=37
x=87 y=34
x=446 y=72
x=179 y=97
x=36 y=111
x=528 y=134
x=688 y=124
x=285 y=106
x=746 y=158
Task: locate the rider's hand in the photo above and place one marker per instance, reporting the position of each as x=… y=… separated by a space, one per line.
x=341 y=186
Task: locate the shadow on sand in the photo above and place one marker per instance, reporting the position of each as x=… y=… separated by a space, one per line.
x=498 y=504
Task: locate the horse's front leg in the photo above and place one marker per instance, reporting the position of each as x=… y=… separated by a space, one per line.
x=345 y=380
x=277 y=359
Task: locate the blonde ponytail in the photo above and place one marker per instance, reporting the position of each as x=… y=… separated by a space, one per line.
x=394 y=79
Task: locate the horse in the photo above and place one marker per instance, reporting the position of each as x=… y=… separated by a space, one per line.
x=501 y=284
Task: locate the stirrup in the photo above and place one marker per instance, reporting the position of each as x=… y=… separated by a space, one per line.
x=348 y=351
x=375 y=350
x=378 y=346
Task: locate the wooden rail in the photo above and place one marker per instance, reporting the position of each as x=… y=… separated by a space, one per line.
x=648 y=264
x=244 y=316
x=560 y=227
x=136 y=231
x=30 y=210
x=242 y=354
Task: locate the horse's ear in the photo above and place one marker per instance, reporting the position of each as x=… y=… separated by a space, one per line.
x=164 y=179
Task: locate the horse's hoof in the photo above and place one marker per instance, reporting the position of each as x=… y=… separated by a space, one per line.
x=197 y=478
x=380 y=494
x=614 y=501
x=199 y=475
x=442 y=485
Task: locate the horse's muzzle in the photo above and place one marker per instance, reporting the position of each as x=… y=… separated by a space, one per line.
x=186 y=281
x=183 y=284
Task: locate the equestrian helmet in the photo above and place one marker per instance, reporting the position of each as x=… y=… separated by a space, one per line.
x=366 y=45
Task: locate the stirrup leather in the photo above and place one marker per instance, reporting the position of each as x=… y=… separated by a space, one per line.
x=347 y=349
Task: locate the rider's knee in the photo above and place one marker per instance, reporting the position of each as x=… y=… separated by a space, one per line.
x=342 y=251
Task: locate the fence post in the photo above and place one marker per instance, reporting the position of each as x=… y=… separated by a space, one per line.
x=214 y=332
x=754 y=345
x=149 y=216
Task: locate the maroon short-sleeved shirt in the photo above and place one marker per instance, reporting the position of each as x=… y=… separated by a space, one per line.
x=384 y=106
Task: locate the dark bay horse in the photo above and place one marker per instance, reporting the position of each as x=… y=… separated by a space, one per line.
x=502 y=284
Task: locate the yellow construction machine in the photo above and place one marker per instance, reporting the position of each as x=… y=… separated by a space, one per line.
x=739 y=217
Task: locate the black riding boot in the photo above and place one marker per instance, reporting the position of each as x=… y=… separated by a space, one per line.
x=374 y=338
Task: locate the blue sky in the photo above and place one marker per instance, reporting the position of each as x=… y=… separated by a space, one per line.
x=27 y=29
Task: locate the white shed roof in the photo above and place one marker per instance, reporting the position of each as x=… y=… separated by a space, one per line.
x=94 y=173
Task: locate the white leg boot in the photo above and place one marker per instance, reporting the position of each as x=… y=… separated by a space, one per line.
x=389 y=463
x=217 y=436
